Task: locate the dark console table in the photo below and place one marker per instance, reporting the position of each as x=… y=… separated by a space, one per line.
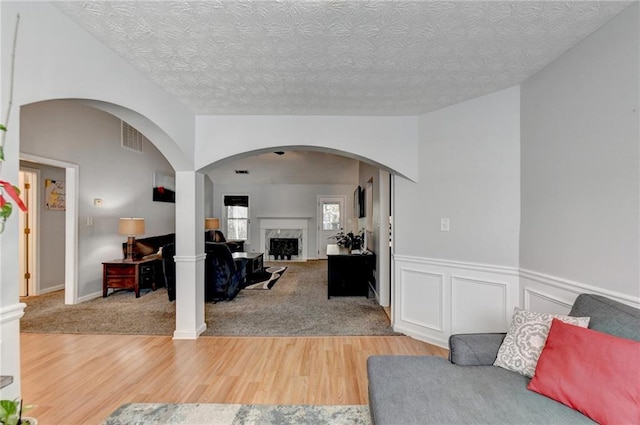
x=350 y=274
x=254 y=261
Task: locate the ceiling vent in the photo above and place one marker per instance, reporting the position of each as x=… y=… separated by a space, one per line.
x=132 y=139
x=242 y=171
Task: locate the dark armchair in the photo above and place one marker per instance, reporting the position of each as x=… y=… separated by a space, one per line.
x=223 y=276
x=218 y=236
x=169 y=269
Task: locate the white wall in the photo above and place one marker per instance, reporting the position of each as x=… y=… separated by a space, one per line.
x=389 y=141
x=464 y=280
x=281 y=200
x=470 y=173
x=71 y=132
x=580 y=165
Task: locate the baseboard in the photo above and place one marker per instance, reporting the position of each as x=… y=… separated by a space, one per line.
x=89 y=297
x=51 y=289
x=424 y=338
x=372 y=289
x=189 y=334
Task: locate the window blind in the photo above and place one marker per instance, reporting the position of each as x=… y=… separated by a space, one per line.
x=236 y=201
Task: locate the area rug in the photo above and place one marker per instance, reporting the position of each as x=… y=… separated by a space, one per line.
x=237 y=414
x=266 y=279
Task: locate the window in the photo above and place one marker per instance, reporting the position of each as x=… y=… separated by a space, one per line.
x=330 y=216
x=237 y=215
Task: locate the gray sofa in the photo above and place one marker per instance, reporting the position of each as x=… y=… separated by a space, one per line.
x=468 y=389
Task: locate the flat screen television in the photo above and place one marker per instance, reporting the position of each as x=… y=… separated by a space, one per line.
x=358 y=202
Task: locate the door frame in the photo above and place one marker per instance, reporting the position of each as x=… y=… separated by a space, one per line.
x=71 y=223
x=33 y=224
x=340 y=198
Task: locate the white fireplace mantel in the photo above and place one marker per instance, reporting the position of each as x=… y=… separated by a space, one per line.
x=286 y=223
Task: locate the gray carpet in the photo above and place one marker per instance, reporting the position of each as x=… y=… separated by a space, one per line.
x=296 y=306
x=237 y=414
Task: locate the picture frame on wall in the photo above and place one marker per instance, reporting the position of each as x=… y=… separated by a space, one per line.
x=164 y=187
x=54 y=193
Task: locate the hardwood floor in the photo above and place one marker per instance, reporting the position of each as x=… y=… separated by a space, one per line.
x=81 y=379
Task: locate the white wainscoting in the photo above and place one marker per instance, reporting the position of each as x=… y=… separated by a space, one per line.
x=550 y=294
x=418 y=286
x=434 y=299
x=479 y=303
x=437 y=298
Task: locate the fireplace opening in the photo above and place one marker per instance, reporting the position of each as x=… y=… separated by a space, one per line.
x=283 y=247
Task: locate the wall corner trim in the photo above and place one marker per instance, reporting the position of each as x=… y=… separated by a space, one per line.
x=12 y=312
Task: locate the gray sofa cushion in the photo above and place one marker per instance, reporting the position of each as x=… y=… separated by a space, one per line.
x=475 y=349
x=407 y=390
x=608 y=315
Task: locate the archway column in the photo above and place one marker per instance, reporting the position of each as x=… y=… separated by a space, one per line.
x=190 y=255
x=11 y=309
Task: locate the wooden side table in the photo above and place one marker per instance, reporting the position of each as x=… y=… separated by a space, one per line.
x=120 y=274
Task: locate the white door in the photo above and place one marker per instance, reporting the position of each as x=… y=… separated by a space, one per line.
x=330 y=221
x=28 y=183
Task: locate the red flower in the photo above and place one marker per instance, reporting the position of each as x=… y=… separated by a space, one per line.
x=13 y=193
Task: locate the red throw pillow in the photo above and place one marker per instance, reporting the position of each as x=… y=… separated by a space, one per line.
x=595 y=373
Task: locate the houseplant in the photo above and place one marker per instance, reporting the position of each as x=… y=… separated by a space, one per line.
x=11 y=413
x=350 y=240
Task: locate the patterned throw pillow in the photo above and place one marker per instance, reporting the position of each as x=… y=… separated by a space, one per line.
x=525 y=339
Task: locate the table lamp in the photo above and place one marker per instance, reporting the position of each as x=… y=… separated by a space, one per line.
x=211 y=225
x=130 y=227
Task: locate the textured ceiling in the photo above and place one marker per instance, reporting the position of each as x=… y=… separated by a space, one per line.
x=340 y=57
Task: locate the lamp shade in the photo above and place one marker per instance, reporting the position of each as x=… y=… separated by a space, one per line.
x=211 y=223
x=131 y=226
